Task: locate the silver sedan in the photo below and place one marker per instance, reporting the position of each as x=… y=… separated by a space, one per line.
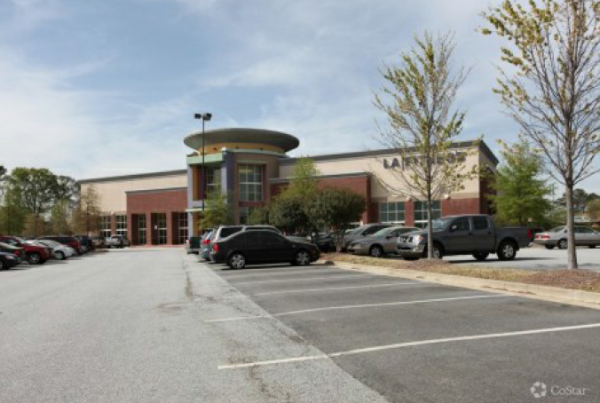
x=584 y=236
x=380 y=243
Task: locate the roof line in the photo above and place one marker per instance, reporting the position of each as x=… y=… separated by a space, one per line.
x=372 y=153
x=134 y=176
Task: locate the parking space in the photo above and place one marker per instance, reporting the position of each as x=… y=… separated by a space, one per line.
x=423 y=342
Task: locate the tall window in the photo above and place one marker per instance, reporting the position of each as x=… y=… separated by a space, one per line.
x=161 y=223
x=105 y=226
x=183 y=227
x=213 y=179
x=121 y=225
x=392 y=212
x=421 y=212
x=142 y=229
x=251 y=182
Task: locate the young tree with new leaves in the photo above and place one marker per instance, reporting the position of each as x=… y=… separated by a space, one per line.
x=418 y=99
x=551 y=86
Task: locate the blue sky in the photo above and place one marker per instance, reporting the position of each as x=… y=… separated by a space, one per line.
x=98 y=88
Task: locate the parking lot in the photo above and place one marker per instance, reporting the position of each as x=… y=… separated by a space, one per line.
x=539 y=258
x=421 y=342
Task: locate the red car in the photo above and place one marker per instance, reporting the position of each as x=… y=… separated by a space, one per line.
x=34 y=254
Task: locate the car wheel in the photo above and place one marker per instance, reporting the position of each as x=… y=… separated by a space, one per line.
x=549 y=247
x=302 y=258
x=562 y=244
x=481 y=256
x=60 y=256
x=376 y=251
x=237 y=261
x=592 y=246
x=34 y=258
x=507 y=250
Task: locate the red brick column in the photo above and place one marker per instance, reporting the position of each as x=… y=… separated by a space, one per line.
x=149 y=229
x=130 y=232
x=170 y=238
x=409 y=213
x=113 y=224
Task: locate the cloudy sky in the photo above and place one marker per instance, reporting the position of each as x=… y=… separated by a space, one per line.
x=108 y=87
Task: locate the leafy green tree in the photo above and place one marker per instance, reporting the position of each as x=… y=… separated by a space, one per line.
x=60 y=216
x=336 y=208
x=288 y=213
x=304 y=182
x=12 y=215
x=36 y=189
x=87 y=213
x=521 y=191
x=418 y=100
x=2 y=172
x=594 y=210
x=551 y=86
x=581 y=200
x=259 y=216
x=217 y=211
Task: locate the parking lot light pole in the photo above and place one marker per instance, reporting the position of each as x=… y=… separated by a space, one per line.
x=204 y=117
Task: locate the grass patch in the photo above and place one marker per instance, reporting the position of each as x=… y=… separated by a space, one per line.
x=585 y=280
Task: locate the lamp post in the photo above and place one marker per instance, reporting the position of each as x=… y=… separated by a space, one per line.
x=204 y=117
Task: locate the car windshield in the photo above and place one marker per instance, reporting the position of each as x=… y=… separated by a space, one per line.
x=384 y=232
x=440 y=223
x=557 y=229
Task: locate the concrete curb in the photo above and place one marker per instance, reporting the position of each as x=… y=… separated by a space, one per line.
x=545 y=293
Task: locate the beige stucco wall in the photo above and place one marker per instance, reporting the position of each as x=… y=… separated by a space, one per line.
x=112 y=193
x=374 y=165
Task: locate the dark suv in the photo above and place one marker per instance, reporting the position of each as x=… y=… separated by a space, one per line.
x=262 y=246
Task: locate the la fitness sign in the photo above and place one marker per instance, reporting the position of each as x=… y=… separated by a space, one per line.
x=405 y=162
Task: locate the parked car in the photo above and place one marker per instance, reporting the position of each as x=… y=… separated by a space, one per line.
x=34 y=254
x=262 y=246
x=192 y=245
x=206 y=245
x=8 y=260
x=59 y=251
x=98 y=242
x=361 y=232
x=584 y=236
x=66 y=240
x=325 y=241
x=465 y=235
x=117 y=241
x=87 y=245
x=225 y=231
x=380 y=243
x=13 y=250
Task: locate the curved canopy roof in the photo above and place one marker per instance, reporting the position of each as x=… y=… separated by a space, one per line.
x=284 y=141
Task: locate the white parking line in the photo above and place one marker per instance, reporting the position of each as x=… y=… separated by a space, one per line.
x=353 y=287
x=409 y=344
x=268 y=273
x=335 y=308
x=335 y=277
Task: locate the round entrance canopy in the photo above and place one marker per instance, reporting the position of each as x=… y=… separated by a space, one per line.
x=283 y=141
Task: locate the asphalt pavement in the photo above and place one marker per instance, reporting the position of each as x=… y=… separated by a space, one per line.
x=539 y=258
x=155 y=325
x=421 y=342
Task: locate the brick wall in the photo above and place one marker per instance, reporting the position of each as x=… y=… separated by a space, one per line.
x=461 y=206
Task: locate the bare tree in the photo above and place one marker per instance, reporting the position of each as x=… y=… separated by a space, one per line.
x=418 y=99
x=552 y=85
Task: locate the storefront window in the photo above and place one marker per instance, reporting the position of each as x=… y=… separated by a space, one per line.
x=213 y=179
x=183 y=227
x=161 y=223
x=142 y=229
x=105 y=226
x=251 y=182
x=392 y=212
x=121 y=225
x=421 y=212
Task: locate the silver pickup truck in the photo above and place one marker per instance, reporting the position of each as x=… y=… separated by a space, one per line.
x=465 y=235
